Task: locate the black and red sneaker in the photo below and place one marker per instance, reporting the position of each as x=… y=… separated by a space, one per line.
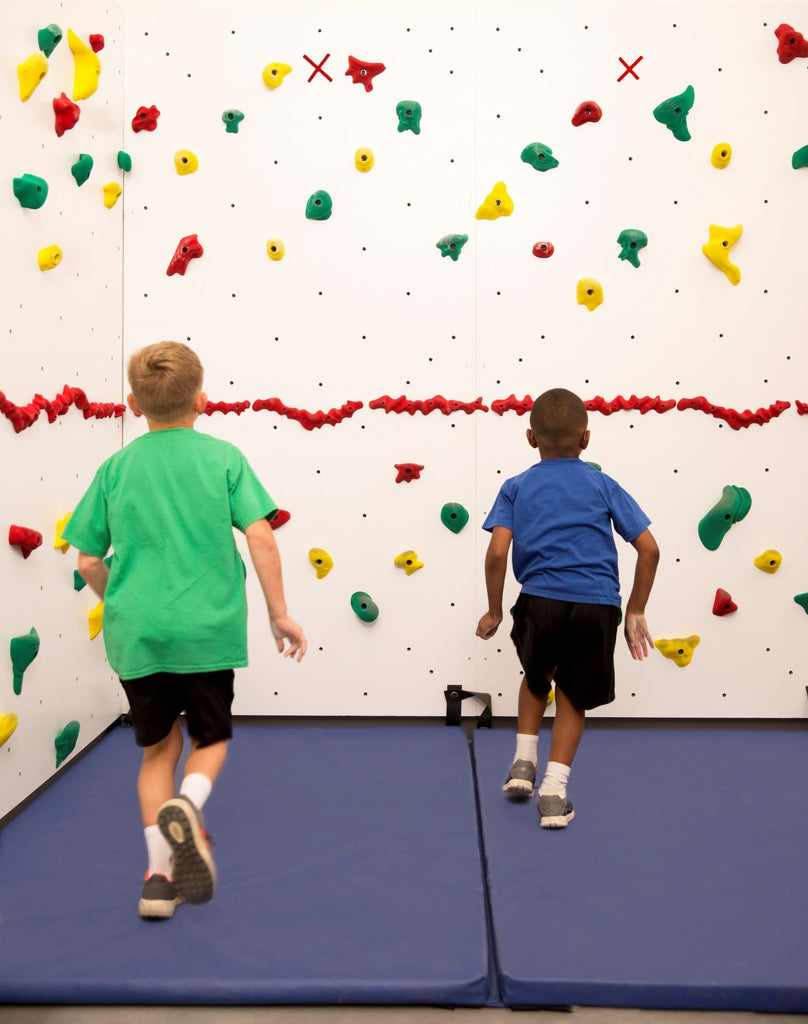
x=159 y=897
x=183 y=826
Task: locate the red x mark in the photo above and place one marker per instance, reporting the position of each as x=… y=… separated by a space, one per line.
x=319 y=67
x=629 y=69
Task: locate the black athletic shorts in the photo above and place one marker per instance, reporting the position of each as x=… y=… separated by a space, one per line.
x=576 y=640
x=156 y=702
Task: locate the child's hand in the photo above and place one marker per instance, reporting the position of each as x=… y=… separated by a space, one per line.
x=488 y=625
x=638 y=637
x=284 y=628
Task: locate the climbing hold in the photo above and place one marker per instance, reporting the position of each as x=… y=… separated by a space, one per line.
x=23 y=651
x=409 y=116
x=364 y=159
x=96 y=42
x=543 y=250
x=801 y=599
x=587 y=112
x=496 y=204
x=673 y=113
x=589 y=293
x=276 y=250
x=454 y=516
x=66 y=114
x=364 y=606
x=112 y=193
x=124 y=160
x=50 y=257
x=321 y=560
x=281 y=517
x=185 y=161
x=31 y=191
x=48 y=39
x=732 y=507
x=232 y=119
x=95 y=620
x=30 y=73
x=187 y=250
x=717 y=248
x=319 y=205
x=407 y=471
x=362 y=72
x=145 y=119
x=769 y=561
x=66 y=742
x=79 y=583
x=8 y=723
x=274 y=74
x=723 y=603
x=408 y=561
x=452 y=245
x=721 y=155
x=25 y=539
x=631 y=241
x=81 y=168
x=87 y=67
x=800 y=158
x=790 y=44
x=539 y=156
x=60 y=542
x=679 y=651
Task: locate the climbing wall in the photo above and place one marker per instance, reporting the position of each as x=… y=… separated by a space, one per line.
x=364 y=347
x=60 y=378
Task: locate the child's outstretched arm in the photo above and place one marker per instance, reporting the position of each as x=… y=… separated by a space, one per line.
x=267 y=561
x=637 y=634
x=95 y=572
x=496 y=565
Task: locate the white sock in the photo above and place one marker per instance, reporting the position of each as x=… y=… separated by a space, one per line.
x=197 y=787
x=158 y=850
x=527 y=747
x=555 y=779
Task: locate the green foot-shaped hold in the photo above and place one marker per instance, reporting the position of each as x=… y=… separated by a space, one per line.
x=732 y=508
x=81 y=168
x=800 y=158
x=23 y=651
x=319 y=206
x=232 y=119
x=31 y=191
x=631 y=241
x=364 y=606
x=673 y=113
x=802 y=601
x=66 y=742
x=454 y=516
x=539 y=156
x=452 y=245
x=48 y=39
x=409 y=116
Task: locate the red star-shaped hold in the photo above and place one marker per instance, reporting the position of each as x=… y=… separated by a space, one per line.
x=408 y=471
x=363 y=72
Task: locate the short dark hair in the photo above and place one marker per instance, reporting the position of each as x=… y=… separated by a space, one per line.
x=558 y=419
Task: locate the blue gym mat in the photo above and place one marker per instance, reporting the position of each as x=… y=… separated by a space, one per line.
x=681 y=883
x=349 y=872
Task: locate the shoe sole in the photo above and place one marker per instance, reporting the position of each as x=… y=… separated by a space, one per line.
x=556 y=820
x=193 y=868
x=518 y=789
x=157 y=908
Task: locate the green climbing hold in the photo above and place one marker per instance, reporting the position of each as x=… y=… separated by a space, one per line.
x=631 y=241
x=802 y=601
x=409 y=116
x=81 y=168
x=23 y=651
x=539 y=156
x=453 y=516
x=232 y=119
x=79 y=582
x=673 y=113
x=66 y=742
x=31 y=191
x=733 y=506
x=364 y=606
x=319 y=205
x=124 y=161
x=452 y=245
x=596 y=465
x=48 y=39
x=800 y=158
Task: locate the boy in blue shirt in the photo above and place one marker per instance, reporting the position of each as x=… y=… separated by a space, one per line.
x=559 y=515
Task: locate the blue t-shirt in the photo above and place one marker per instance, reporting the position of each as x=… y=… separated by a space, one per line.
x=561 y=513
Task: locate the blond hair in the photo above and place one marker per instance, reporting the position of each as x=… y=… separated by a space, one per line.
x=558 y=419
x=165 y=379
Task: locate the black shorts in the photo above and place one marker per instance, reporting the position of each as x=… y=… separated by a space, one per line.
x=156 y=702
x=572 y=642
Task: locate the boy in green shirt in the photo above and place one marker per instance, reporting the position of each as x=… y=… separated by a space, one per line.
x=175 y=608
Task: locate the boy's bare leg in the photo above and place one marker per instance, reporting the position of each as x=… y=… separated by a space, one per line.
x=155 y=782
x=207 y=761
x=522 y=773
x=568 y=729
x=555 y=810
x=530 y=710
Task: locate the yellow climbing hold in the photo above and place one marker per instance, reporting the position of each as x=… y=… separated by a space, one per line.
x=274 y=74
x=186 y=162
x=718 y=247
x=680 y=650
x=112 y=193
x=30 y=73
x=8 y=723
x=589 y=293
x=96 y=620
x=88 y=67
x=364 y=159
x=60 y=542
x=769 y=561
x=276 y=250
x=721 y=155
x=408 y=561
x=551 y=696
x=496 y=204
x=321 y=560
x=50 y=257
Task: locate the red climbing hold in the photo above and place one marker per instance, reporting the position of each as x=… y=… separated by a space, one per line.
x=408 y=471
x=187 y=250
x=281 y=517
x=520 y=406
x=723 y=604
x=25 y=539
x=587 y=112
x=543 y=250
x=362 y=72
x=237 y=407
x=790 y=44
x=66 y=114
x=96 y=42
x=145 y=120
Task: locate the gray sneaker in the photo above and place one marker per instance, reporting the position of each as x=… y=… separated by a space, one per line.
x=554 y=811
x=159 y=898
x=193 y=868
x=521 y=777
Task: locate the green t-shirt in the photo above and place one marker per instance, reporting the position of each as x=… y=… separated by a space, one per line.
x=167 y=504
